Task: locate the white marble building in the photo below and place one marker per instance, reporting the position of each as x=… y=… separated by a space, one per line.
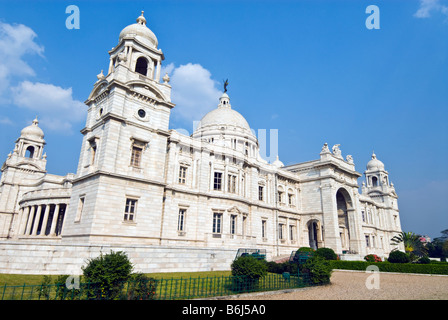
x=176 y=202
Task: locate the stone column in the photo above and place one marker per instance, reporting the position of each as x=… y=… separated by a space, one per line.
x=111 y=66
x=36 y=220
x=24 y=219
x=225 y=181
x=158 y=71
x=44 y=222
x=129 y=57
x=30 y=221
x=330 y=217
x=212 y=177
x=55 y=220
x=320 y=242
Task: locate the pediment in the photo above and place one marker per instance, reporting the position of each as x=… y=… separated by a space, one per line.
x=145 y=90
x=99 y=88
x=29 y=166
x=235 y=209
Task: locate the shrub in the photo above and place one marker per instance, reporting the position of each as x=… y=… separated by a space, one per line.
x=279 y=268
x=107 y=274
x=318 y=269
x=424 y=260
x=432 y=268
x=63 y=292
x=246 y=272
x=372 y=258
x=397 y=256
x=326 y=253
x=45 y=288
x=305 y=249
x=141 y=287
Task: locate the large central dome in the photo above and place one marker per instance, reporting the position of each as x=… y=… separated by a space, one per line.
x=226 y=127
x=224 y=117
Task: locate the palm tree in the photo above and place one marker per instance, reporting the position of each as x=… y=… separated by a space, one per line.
x=412 y=243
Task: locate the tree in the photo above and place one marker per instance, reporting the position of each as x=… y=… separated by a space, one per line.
x=413 y=246
x=438 y=248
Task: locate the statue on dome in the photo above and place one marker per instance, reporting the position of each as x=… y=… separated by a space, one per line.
x=226 y=83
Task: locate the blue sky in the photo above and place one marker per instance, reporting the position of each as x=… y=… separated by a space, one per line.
x=310 y=69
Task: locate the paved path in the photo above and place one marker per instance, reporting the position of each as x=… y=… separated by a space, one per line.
x=350 y=285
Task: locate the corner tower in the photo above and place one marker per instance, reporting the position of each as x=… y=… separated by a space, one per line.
x=380 y=189
x=123 y=151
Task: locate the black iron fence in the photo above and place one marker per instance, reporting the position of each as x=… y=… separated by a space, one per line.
x=156 y=289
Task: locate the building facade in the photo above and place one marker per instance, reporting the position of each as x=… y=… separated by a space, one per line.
x=175 y=202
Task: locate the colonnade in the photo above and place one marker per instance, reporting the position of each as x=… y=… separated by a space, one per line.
x=43 y=219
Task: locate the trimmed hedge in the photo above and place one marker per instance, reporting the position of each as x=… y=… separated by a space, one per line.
x=391 y=267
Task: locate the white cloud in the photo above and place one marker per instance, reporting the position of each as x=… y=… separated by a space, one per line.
x=16 y=41
x=5 y=121
x=54 y=106
x=429 y=6
x=193 y=91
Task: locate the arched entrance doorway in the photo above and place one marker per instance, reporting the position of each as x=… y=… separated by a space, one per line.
x=314 y=235
x=344 y=205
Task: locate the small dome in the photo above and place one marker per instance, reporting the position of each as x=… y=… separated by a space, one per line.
x=224 y=115
x=375 y=164
x=140 y=32
x=278 y=163
x=32 y=131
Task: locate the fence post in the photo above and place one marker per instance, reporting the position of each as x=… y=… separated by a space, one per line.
x=4 y=290
x=23 y=290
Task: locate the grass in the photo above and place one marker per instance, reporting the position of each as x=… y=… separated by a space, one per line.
x=20 y=279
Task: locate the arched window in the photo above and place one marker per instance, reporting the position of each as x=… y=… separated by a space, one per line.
x=141 y=66
x=29 y=152
x=374 y=181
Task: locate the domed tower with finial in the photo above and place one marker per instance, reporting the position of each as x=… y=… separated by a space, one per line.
x=28 y=152
x=24 y=167
x=377 y=180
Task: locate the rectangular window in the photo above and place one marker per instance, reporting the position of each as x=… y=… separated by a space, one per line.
x=292 y=229
x=181 y=220
x=231 y=187
x=93 y=154
x=243 y=231
x=136 y=156
x=217 y=183
x=363 y=213
x=260 y=193
x=80 y=209
x=368 y=241
x=263 y=229
x=281 y=231
x=280 y=196
x=182 y=175
x=93 y=147
x=130 y=210
x=233 y=224
x=217 y=222
x=290 y=200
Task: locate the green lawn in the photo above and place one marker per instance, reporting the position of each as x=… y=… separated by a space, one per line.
x=20 y=279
